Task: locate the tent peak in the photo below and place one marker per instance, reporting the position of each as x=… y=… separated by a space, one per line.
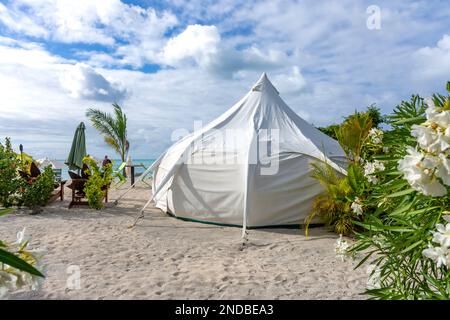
x=264 y=84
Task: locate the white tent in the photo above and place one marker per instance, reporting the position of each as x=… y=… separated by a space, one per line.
x=249 y=167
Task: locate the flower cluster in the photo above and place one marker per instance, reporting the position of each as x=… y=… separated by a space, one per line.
x=341 y=248
x=427 y=169
x=357 y=207
x=370 y=168
x=434 y=134
x=375 y=136
x=11 y=278
x=441 y=253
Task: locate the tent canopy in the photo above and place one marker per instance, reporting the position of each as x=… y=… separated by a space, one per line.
x=249 y=167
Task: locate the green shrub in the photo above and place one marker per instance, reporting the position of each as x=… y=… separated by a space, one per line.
x=9 y=182
x=400 y=235
x=36 y=194
x=353 y=133
x=338 y=207
x=98 y=182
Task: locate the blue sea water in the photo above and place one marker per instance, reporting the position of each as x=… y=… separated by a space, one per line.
x=116 y=162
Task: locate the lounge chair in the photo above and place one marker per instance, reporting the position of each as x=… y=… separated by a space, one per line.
x=119 y=174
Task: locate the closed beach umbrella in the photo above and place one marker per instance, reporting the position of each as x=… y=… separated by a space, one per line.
x=78 y=150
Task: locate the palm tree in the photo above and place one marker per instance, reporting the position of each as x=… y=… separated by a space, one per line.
x=112 y=127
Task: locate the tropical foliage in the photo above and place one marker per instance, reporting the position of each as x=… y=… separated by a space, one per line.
x=403 y=226
x=9 y=181
x=112 y=127
x=99 y=181
x=407 y=234
x=373 y=112
x=35 y=193
x=340 y=205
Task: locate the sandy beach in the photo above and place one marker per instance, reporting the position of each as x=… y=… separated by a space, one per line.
x=166 y=258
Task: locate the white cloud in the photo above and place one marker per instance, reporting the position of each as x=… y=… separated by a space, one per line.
x=30 y=54
x=202 y=46
x=83 y=82
x=85 y=21
x=21 y=23
x=290 y=82
x=197 y=42
x=434 y=62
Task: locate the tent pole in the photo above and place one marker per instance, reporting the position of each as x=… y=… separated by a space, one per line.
x=141 y=214
x=123 y=194
x=155 y=192
x=141 y=178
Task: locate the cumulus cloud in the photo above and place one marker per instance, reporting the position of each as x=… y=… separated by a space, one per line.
x=434 y=62
x=85 y=21
x=203 y=46
x=83 y=82
x=290 y=82
x=198 y=43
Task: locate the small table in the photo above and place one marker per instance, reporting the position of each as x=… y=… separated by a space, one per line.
x=132 y=166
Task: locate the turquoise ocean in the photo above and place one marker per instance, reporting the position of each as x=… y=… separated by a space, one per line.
x=116 y=162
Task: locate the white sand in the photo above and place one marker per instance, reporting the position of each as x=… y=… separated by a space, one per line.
x=166 y=258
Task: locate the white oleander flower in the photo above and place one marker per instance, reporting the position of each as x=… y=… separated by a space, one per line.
x=440 y=117
x=372 y=179
x=341 y=248
x=443 y=169
x=379 y=166
x=430 y=139
x=375 y=135
x=442 y=236
x=440 y=255
x=434 y=134
x=417 y=169
x=11 y=278
x=370 y=168
x=356 y=207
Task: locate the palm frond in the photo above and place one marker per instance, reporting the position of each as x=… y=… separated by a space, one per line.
x=112 y=127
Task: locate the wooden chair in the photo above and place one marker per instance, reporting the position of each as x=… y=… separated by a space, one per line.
x=77 y=185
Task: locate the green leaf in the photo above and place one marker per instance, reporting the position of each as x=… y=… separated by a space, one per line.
x=448 y=86
x=16 y=262
x=5 y=211
x=414 y=119
x=401 y=193
x=412 y=246
x=355 y=177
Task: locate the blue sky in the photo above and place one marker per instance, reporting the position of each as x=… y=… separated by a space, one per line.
x=170 y=63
